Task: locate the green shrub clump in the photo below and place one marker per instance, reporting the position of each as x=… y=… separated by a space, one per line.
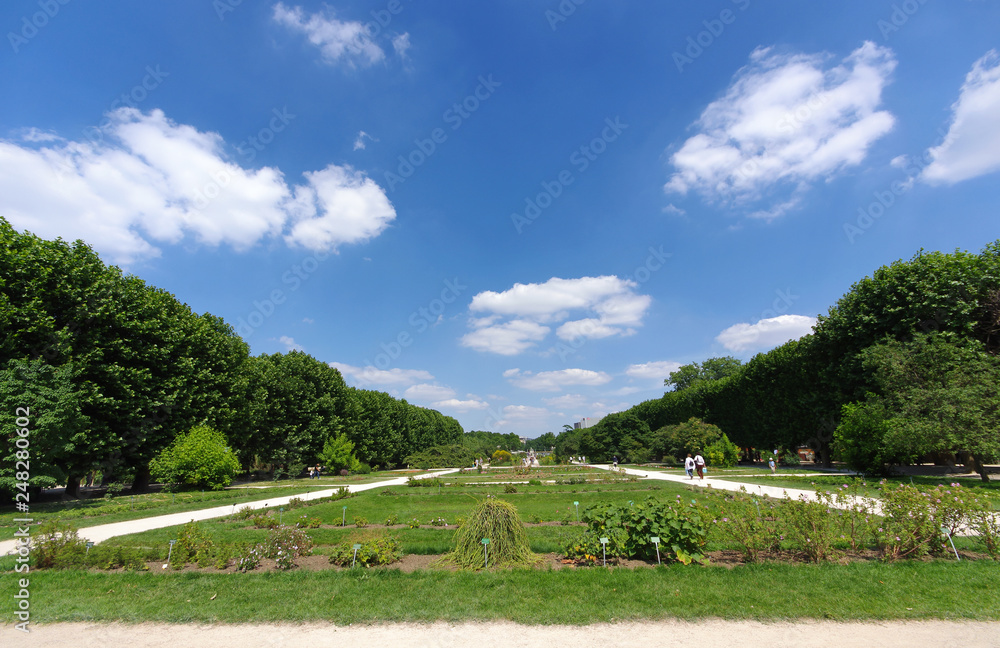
x=199 y=458
x=381 y=550
x=682 y=529
x=498 y=521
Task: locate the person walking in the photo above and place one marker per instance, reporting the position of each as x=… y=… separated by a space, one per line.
x=689 y=466
x=699 y=465
x=770 y=462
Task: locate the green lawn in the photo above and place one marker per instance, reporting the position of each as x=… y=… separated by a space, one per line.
x=862 y=591
x=91 y=512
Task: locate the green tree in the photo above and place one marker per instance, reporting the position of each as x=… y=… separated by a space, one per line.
x=695 y=374
x=338 y=454
x=692 y=436
x=200 y=458
x=938 y=396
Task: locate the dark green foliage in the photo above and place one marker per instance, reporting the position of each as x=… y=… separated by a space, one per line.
x=695 y=374
x=200 y=458
x=442 y=456
x=693 y=436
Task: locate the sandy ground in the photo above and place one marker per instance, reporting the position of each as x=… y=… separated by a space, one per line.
x=938 y=634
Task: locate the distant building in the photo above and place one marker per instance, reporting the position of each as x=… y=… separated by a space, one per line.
x=586 y=422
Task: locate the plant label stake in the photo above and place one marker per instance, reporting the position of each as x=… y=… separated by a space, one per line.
x=604 y=549
x=631 y=503
x=353 y=562
x=486 y=560
x=343 y=517
x=758 y=508
x=281 y=509
x=945 y=531
x=89 y=545
x=656 y=541
x=169 y=552
x=577 y=505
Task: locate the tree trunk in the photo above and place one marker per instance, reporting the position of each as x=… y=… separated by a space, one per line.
x=980 y=468
x=141 y=483
x=72 y=486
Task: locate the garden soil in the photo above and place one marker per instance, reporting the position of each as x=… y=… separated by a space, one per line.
x=659 y=634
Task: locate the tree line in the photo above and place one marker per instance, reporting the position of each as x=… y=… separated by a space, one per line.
x=903 y=367
x=113 y=370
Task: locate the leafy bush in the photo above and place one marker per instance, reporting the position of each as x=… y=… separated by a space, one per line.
x=306 y=522
x=433 y=482
x=682 y=529
x=810 y=526
x=193 y=545
x=284 y=544
x=722 y=453
x=57 y=545
x=746 y=522
x=535 y=482
x=439 y=521
x=392 y=520
x=509 y=488
x=244 y=513
x=338 y=455
x=360 y=522
x=381 y=550
x=199 y=458
x=129 y=558
x=296 y=502
x=501 y=458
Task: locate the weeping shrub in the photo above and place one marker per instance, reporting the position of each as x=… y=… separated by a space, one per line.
x=497 y=520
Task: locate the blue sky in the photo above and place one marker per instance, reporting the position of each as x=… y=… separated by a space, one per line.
x=518 y=213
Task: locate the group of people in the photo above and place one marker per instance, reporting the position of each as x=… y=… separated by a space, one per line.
x=314 y=471
x=695 y=464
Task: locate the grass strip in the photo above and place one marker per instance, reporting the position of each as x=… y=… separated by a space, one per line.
x=861 y=591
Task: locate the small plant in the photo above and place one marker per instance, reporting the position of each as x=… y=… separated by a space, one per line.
x=381 y=550
x=810 y=526
x=285 y=544
x=460 y=521
x=113 y=489
x=414 y=523
x=392 y=520
x=360 y=522
x=296 y=502
x=536 y=519
x=535 y=482
x=509 y=488
x=497 y=520
x=58 y=546
x=249 y=560
x=245 y=513
x=306 y=522
x=439 y=522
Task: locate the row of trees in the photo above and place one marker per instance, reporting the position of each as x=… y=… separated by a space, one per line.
x=112 y=371
x=904 y=366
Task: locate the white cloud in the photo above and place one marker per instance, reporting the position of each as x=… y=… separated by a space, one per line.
x=370 y=376
x=510 y=338
x=568 y=402
x=150 y=180
x=556 y=380
x=674 y=209
x=339 y=205
x=427 y=392
x=460 y=405
x=611 y=303
x=359 y=142
x=786 y=120
x=657 y=371
x=401 y=44
x=765 y=334
x=972 y=146
x=290 y=343
x=522 y=415
x=336 y=39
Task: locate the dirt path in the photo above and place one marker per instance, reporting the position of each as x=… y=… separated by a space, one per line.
x=680 y=634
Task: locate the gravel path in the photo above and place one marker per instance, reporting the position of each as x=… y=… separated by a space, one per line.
x=662 y=634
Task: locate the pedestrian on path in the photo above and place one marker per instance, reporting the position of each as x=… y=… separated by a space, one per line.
x=689 y=466
x=699 y=465
x=770 y=462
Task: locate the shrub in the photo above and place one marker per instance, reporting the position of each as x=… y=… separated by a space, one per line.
x=501 y=458
x=908 y=527
x=722 y=453
x=433 y=482
x=249 y=560
x=442 y=456
x=392 y=520
x=414 y=523
x=509 y=488
x=306 y=522
x=497 y=520
x=296 y=502
x=193 y=545
x=535 y=482
x=284 y=544
x=439 y=521
x=381 y=550
x=199 y=458
x=244 y=513
x=58 y=546
x=682 y=529
x=747 y=523
x=810 y=526
x=360 y=522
